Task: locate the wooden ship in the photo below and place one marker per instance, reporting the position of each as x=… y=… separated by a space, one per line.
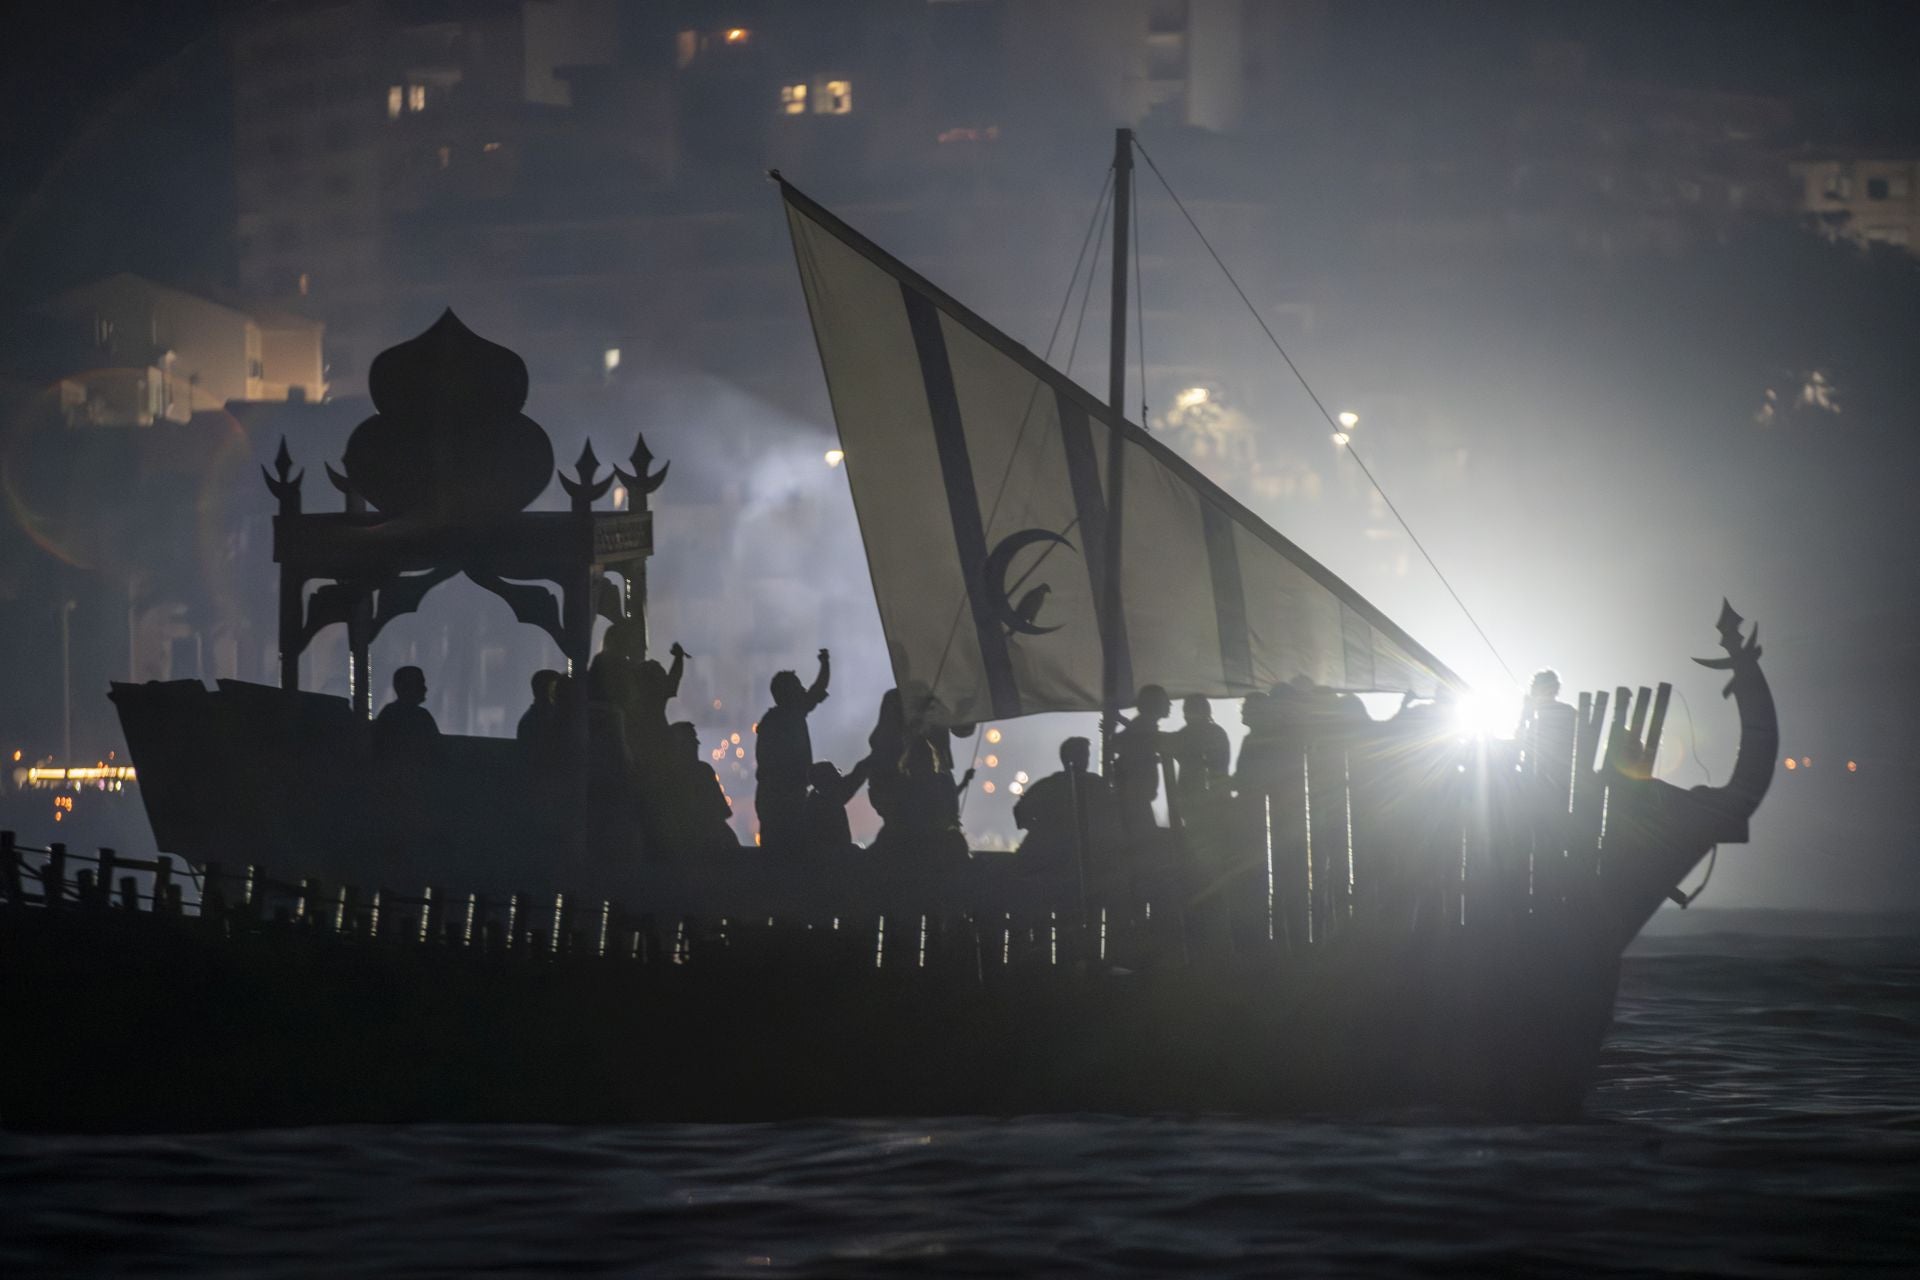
x=317 y=942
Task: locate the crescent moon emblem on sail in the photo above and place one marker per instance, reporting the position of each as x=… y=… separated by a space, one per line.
x=999 y=560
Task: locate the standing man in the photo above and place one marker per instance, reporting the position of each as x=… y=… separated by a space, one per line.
x=783 y=758
x=1136 y=764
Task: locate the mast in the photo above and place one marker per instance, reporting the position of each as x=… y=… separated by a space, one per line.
x=1111 y=624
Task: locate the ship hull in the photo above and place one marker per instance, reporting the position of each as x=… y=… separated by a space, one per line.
x=128 y=1022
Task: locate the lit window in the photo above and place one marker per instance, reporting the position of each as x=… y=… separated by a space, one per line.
x=611 y=358
x=416 y=97
x=793 y=98
x=737 y=35
x=396 y=100
x=446 y=157
x=489 y=147
x=834 y=99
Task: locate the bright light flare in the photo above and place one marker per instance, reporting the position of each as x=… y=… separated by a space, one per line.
x=1349 y=420
x=1485 y=715
x=835 y=457
x=1192 y=398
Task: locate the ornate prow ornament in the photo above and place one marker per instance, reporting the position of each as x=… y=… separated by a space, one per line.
x=1652 y=833
x=1759 y=723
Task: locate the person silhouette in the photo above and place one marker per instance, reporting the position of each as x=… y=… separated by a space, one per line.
x=1200 y=753
x=1136 y=763
x=405 y=726
x=539 y=727
x=1546 y=737
x=928 y=820
x=783 y=755
x=1068 y=814
x=697 y=809
x=825 y=817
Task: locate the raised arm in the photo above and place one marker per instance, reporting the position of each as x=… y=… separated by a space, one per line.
x=678 y=669
x=818 y=693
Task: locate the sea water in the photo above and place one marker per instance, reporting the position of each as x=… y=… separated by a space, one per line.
x=1757 y=1113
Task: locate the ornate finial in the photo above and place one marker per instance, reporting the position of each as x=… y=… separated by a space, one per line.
x=1742 y=655
x=585 y=490
x=449 y=440
x=638 y=481
x=355 y=502
x=283 y=482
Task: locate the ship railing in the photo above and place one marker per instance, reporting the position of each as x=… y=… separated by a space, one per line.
x=249 y=902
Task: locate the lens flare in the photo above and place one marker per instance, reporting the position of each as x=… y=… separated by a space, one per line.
x=1479 y=714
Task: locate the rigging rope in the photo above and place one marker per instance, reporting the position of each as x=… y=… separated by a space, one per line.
x=1713 y=855
x=1330 y=419
x=1096 y=230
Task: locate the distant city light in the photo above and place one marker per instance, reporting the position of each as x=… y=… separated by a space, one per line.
x=793 y=98
x=987 y=787
x=1341 y=438
x=611 y=358
x=1192 y=398
x=1852 y=767
x=735 y=739
x=835 y=457
x=1792 y=763
x=738 y=35
x=1017 y=788
x=1349 y=419
x=1020 y=776
x=619 y=497
x=1806 y=762
x=993 y=735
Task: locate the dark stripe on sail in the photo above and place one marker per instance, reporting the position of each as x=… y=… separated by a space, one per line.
x=1229 y=597
x=963 y=501
x=1356 y=643
x=1090 y=510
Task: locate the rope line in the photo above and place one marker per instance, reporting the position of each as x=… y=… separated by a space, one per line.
x=1324 y=413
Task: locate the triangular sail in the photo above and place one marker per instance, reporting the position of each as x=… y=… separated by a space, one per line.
x=979 y=474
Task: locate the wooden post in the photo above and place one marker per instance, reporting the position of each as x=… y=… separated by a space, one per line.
x=308 y=908
x=102 y=894
x=162 y=884
x=1657 y=726
x=432 y=907
x=129 y=894
x=10 y=868
x=213 y=898
x=53 y=877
